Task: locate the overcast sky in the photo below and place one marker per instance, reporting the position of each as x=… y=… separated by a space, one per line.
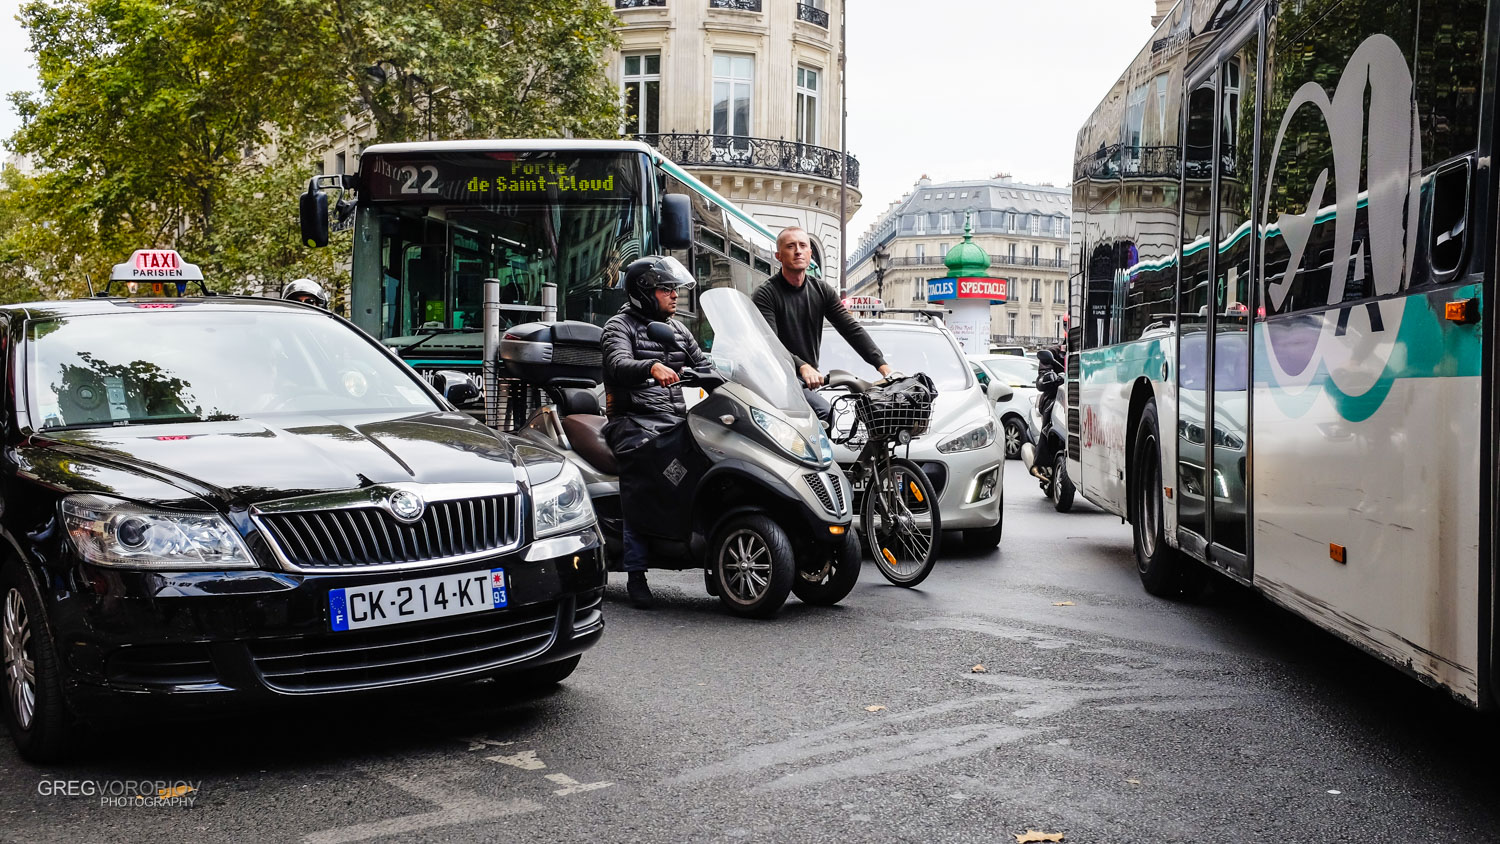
x=955 y=89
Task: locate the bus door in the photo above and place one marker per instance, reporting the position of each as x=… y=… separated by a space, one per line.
x=1214 y=308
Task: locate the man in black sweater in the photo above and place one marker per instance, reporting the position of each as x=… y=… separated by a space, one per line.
x=795 y=306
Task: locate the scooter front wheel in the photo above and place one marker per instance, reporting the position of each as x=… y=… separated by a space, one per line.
x=901 y=522
x=753 y=566
x=827 y=573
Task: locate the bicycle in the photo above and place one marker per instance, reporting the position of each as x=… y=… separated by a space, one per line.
x=899 y=514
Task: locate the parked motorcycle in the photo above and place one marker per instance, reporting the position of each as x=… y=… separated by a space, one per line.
x=1053 y=477
x=754 y=497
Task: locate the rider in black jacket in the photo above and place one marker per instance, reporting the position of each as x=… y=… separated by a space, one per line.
x=1049 y=378
x=642 y=399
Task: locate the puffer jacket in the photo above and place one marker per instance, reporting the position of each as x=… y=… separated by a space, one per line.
x=628 y=356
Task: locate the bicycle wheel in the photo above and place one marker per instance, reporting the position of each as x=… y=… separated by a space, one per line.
x=901 y=522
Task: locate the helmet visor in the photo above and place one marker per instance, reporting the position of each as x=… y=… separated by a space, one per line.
x=670 y=274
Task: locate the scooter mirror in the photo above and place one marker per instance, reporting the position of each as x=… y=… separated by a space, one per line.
x=662 y=333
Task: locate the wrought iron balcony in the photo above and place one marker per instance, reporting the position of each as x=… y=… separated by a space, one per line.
x=637 y=4
x=738 y=5
x=754 y=154
x=812 y=14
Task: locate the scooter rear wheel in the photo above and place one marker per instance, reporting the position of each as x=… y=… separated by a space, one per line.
x=754 y=566
x=827 y=573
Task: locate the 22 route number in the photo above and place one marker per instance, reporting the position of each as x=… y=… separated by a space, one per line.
x=410 y=176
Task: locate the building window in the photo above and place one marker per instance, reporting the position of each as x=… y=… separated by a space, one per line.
x=1057 y=257
x=1036 y=325
x=946 y=221
x=1059 y=329
x=1059 y=288
x=734 y=81
x=921 y=224
x=1010 y=319
x=1012 y=253
x=642 y=87
x=943 y=250
x=921 y=252
x=1036 y=255
x=1010 y=220
x=807 y=105
x=1036 y=292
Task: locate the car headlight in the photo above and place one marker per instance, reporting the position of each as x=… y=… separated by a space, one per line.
x=123 y=534
x=970 y=440
x=787 y=437
x=559 y=500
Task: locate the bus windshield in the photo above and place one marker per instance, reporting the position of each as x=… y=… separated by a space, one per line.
x=433 y=225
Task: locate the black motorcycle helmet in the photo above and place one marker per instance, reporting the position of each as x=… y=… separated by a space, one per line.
x=647 y=275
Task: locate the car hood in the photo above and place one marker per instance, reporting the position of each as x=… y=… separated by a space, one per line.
x=248 y=461
x=953 y=413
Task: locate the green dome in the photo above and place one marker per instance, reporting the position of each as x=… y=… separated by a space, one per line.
x=968 y=259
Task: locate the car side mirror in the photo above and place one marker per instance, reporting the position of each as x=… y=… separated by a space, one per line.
x=457 y=387
x=999 y=392
x=676 y=230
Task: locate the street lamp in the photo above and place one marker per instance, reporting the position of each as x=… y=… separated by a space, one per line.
x=882 y=260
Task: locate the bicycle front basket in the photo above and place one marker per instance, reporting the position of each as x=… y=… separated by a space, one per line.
x=905 y=404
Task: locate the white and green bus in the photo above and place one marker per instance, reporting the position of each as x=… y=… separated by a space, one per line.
x=1282 y=354
x=556 y=221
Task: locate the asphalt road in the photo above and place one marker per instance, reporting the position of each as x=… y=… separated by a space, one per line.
x=1102 y=714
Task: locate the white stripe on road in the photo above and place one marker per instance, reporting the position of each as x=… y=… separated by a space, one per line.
x=457 y=807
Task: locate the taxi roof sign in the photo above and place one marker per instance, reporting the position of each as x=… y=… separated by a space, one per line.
x=155 y=265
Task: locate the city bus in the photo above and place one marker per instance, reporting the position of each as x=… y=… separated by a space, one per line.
x=1281 y=345
x=556 y=221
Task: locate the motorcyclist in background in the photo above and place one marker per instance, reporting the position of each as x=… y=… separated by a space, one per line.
x=306 y=291
x=1049 y=379
x=642 y=400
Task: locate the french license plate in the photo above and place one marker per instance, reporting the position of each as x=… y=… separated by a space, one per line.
x=376 y=605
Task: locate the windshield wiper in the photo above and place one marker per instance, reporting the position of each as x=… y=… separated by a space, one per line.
x=147 y=420
x=401 y=352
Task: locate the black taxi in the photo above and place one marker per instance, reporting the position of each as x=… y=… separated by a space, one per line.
x=209 y=501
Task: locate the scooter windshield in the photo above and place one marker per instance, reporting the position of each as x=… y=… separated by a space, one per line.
x=756 y=358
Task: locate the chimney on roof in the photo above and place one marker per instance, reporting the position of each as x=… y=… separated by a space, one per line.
x=1162 y=8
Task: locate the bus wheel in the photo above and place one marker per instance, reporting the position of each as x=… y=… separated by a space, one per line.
x=1164 y=570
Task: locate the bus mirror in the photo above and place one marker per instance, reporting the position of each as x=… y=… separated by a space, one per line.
x=676 y=222
x=313 y=215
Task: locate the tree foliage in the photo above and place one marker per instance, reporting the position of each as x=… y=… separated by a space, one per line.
x=192 y=124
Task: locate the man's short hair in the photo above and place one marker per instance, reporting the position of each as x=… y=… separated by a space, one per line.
x=790 y=229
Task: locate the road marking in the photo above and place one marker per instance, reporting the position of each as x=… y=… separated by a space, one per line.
x=456 y=806
x=525 y=760
x=572 y=786
x=480 y=743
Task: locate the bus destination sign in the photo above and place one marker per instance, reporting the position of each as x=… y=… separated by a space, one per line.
x=494 y=178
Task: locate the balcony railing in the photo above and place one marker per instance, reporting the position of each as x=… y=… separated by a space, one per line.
x=737 y=5
x=755 y=154
x=637 y=4
x=812 y=14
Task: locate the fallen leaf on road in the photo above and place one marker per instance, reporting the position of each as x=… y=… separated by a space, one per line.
x=979 y=669
x=875 y=708
x=1062 y=603
x=1134 y=782
x=1033 y=836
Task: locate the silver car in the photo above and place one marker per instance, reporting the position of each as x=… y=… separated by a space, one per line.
x=963 y=453
x=1020 y=375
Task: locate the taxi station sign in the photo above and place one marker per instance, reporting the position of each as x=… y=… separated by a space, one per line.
x=157 y=268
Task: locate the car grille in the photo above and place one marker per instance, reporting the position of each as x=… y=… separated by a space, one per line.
x=405 y=653
x=354 y=537
x=830 y=491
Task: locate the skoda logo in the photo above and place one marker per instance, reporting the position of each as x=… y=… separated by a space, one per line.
x=406 y=506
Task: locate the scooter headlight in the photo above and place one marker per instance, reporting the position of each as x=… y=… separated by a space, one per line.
x=559 y=499
x=787 y=437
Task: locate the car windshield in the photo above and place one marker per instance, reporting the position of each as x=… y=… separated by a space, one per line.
x=206 y=365
x=1012 y=370
x=739 y=337
x=908 y=351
